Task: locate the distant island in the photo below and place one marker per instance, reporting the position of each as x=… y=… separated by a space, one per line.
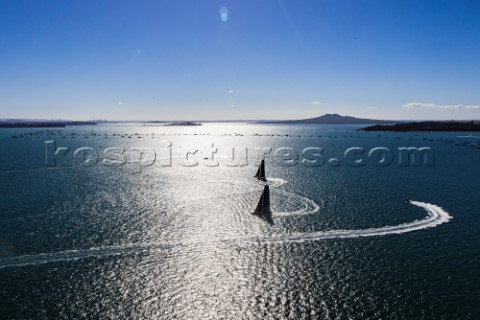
x=42 y=124
x=463 y=126
x=183 y=123
x=332 y=119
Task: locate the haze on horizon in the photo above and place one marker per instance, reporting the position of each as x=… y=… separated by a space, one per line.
x=239 y=60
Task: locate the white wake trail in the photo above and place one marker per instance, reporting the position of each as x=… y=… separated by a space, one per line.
x=309 y=206
x=74 y=255
x=436 y=216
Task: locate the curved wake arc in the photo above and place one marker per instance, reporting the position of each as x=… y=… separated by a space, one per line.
x=436 y=216
x=310 y=206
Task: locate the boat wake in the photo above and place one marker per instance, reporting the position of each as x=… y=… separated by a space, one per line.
x=309 y=206
x=435 y=216
x=73 y=255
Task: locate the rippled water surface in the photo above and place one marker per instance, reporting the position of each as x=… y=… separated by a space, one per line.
x=177 y=242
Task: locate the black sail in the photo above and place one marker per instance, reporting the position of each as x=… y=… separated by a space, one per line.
x=261 y=172
x=263 y=207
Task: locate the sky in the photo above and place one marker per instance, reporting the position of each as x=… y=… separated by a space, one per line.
x=239 y=59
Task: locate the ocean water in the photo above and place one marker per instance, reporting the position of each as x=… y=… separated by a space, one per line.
x=149 y=240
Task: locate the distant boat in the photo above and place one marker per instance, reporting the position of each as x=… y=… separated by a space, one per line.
x=261 y=172
x=263 y=207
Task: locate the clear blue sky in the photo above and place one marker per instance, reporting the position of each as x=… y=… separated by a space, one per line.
x=264 y=59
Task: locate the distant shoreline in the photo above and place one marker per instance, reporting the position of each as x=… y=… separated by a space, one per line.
x=46 y=124
x=428 y=126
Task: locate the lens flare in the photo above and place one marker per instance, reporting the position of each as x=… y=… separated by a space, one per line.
x=224 y=14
